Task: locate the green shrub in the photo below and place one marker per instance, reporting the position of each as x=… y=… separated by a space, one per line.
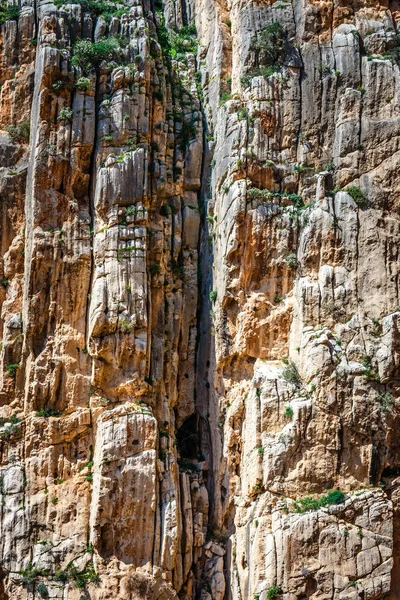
x=288 y=414
x=272 y=44
x=61 y=576
x=386 y=401
x=274 y=592
x=12 y=370
x=19 y=133
x=65 y=114
x=9 y=13
x=301 y=169
x=262 y=195
x=29 y=575
x=260 y=451
x=213 y=296
x=105 y=9
x=188 y=133
x=357 y=194
x=367 y=363
x=155 y=269
x=291 y=375
x=88 y=55
x=43 y=591
x=224 y=98
x=83 y=84
x=176 y=44
x=46 y=413
x=270 y=47
x=186 y=465
x=310 y=504
x=58 y=86
x=291 y=261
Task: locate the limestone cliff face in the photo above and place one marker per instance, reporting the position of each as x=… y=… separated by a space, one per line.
x=200 y=312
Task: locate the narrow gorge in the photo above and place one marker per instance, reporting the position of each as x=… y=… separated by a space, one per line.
x=200 y=303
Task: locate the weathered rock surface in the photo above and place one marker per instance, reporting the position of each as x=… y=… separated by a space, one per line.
x=199 y=300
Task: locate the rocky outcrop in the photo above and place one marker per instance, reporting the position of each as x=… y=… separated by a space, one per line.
x=199 y=300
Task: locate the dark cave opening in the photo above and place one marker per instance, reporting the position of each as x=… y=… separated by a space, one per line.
x=188 y=438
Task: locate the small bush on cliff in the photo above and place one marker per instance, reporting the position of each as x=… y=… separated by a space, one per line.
x=59 y=86
x=65 y=114
x=83 y=84
x=309 y=504
x=8 y=13
x=105 y=9
x=288 y=414
x=291 y=261
x=291 y=375
x=274 y=592
x=19 y=133
x=357 y=194
x=46 y=413
x=29 y=576
x=182 y=41
x=386 y=401
x=88 y=55
x=43 y=591
x=271 y=45
x=12 y=371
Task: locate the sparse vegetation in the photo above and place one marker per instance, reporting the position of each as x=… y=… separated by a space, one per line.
x=9 y=13
x=224 y=98
x=59 y=86
x=301 y=169
x=29 y=575
x=65 y=114
x=88 y=55
x=386 y=401
x=291 y=375
x=154 y=270
x=367 y=363
x=81 y=579
x=309 y=504
x=257 y=194
x=19 y=133
x=270 y=47
x=83 y=84
x=213 y=296
x=291 y=261
x=357 y=194
x=46 y=413
x=186 y=465
x=183 y=40
x=274 y=592
x=288 y=414
x=12 y=370
x=42 y=590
